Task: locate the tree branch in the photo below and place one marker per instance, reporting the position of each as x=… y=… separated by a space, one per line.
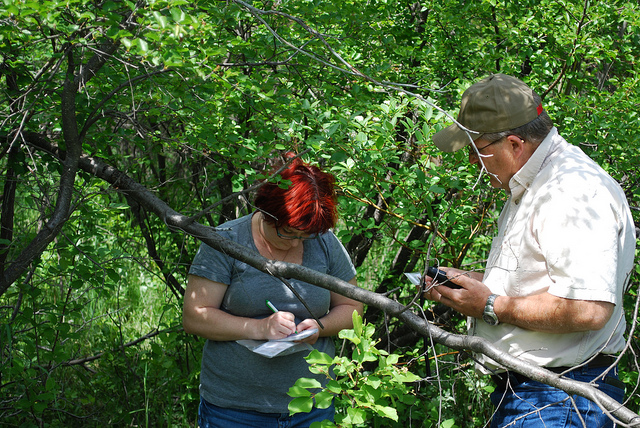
x=83 y=361
x=70 y=166
x=8 y=207
x=140 y=216
x=175 y=220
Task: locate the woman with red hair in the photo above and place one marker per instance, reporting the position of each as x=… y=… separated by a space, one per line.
x=225 y=302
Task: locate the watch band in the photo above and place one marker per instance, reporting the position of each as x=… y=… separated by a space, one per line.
x=489 y=315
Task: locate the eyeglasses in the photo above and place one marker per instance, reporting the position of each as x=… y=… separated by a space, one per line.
x=291 y=237
x=288 y=234
x=472 y=151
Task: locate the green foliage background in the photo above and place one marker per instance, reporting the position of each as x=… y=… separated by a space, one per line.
x=197 y=100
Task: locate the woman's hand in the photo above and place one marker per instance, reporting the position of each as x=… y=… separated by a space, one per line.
x=279 y=325
x=306 y=325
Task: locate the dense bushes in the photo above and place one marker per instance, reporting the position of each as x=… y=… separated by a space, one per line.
x=195 y=101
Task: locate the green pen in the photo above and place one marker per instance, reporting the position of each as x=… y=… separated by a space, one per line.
x=270 y=306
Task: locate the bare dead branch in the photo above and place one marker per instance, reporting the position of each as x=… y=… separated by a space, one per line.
x=178 y=221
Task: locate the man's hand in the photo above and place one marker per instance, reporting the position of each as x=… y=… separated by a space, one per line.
x=468 y=300
x=538 y=312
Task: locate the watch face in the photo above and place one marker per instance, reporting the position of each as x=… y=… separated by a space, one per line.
x=489 y=319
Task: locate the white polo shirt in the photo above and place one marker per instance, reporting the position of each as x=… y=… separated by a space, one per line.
x=566 y=229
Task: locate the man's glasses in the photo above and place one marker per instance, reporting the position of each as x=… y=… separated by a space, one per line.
x=472 y=151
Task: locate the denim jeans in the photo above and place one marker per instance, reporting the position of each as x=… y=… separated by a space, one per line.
x=533 y=404
x=211 y=416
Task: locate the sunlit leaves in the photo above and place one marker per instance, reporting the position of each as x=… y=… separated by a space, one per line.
x=374 y=396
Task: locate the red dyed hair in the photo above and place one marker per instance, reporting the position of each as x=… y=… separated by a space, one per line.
x=307 y=204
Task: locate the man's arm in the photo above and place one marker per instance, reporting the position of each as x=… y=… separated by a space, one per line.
x=542 y=312
x=552 y=314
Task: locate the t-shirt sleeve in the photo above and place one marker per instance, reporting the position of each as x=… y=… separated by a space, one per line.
x=340 y=264
x=212 y=265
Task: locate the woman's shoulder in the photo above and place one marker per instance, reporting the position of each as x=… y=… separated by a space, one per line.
x=328 y=238
x=329 y=243
x=233 y=228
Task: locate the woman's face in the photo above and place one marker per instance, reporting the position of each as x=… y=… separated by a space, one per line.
x=284 y=237
x=291 y=234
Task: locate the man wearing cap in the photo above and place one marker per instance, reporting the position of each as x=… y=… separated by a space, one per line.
x=552 y=290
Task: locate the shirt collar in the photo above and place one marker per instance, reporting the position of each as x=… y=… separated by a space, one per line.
x=522 y=179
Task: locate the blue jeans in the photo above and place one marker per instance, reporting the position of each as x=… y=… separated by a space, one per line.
x=533 y=404
x=211 y=416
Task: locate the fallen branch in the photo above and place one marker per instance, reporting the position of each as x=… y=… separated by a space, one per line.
x=178 y=221
x=84 y=360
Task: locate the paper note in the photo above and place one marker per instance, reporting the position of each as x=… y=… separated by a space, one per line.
x=298 y=336
x=414 y=277
x=280 y=347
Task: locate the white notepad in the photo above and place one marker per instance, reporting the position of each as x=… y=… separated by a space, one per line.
x=280 y=347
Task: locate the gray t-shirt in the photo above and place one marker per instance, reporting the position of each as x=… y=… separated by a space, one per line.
x=234 y=377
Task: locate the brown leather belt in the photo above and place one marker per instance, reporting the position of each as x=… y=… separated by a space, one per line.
x=600 y=360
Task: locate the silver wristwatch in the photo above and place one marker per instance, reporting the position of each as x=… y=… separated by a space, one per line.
x=489 y=316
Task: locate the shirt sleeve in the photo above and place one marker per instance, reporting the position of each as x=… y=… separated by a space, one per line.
x=340 y=264
x=212 y=265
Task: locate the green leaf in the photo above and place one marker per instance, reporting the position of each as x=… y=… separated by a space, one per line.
x=449 y=423
x=160 y=19
x=349 y=335
x=50 y=384
x=308 y=383
x=76 y=284
x=357 y=323
x=317 y=357
x=437 y=189
x=298 y=391
x=301 y=405
x=334 y=386
x=143 y=45
x=406 y=377
x=355 y=416
x=323 y=399
x=387 y=412
x=113 y=275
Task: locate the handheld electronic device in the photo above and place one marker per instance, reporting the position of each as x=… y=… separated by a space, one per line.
x=440 y=277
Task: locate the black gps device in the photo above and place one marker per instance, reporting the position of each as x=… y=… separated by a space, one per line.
x=440 y=277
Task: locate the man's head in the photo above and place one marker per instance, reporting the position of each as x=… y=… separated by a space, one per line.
x=506 y=123
x=495 y=104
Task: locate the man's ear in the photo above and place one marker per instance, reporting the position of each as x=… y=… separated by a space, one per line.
x=518 y=148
